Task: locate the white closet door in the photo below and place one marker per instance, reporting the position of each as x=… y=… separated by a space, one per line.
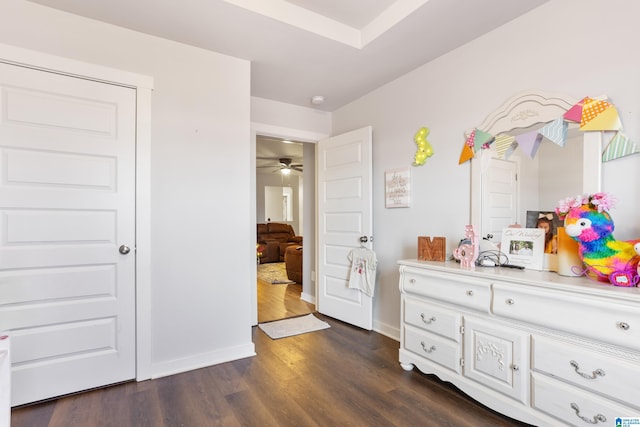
x=67 y=204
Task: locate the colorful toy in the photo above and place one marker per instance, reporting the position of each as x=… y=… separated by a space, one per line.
x=424 y=148
x=586 y=220
x=467 y=252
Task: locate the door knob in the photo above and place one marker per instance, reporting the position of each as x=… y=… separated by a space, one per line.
x=124 y=249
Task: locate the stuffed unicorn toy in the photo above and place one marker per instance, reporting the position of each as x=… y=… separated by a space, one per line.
x=586 y=220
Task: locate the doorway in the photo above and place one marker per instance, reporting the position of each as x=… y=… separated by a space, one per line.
x=284 y=173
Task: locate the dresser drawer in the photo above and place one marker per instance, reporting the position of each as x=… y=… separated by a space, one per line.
x=590 y=317
x=574 y=406
x=589 y=369
x=460 y=290
x=432 y=318
x=432 y=347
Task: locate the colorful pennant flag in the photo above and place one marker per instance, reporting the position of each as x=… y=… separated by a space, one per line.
x=619 y=146
x=502 y=144
x=556 y=131
x=575 y=113
x=481 y=140
x=529 y=142
x=466 y=154
x=607 y=119
x=470 y=138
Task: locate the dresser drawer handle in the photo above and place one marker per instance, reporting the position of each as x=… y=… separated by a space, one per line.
x=510 y=301
x=427 y=350
x=470 y=293
x=429 y=320
x=596 y=418
x=593 y=376
x=624 y=326
x=412 y=281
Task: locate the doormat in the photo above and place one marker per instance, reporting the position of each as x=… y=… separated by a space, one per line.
x=293 y=326
x=274 y=273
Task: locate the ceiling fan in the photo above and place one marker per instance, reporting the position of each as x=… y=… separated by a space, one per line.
x=284 y=164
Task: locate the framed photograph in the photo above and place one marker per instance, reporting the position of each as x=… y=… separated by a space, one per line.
x=397 y=188
x=549 y=222
x=524 y=247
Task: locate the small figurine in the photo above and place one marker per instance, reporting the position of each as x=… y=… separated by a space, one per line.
x=467 y=253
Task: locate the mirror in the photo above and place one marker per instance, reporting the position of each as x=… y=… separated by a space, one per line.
x=556 y=178
x=278 y=204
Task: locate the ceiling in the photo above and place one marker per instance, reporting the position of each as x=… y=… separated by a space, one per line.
x=269 y=150
x=340 y=49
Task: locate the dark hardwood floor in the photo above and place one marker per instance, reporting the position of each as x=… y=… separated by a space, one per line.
x=342 y=376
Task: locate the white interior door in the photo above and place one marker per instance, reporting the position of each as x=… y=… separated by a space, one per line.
x=67 y=204
x=499 y=197
x=344 y=215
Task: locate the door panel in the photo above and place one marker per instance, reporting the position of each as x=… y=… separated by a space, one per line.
x=67 y=202
x=344 y=215
x=500 y=198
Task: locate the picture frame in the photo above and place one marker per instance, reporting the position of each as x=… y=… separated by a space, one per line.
x=397 y=188
x=553 y=223
x=524 y=247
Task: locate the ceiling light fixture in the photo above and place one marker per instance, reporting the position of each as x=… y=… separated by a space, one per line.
x=285 y=171
x=317 y=100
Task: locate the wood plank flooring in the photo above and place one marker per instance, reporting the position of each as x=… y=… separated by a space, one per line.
x=280 y=301
x=342 y=376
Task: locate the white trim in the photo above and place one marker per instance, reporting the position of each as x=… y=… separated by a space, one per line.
x=278 y=132
x=144 y=86
x=308 y=20
x=203 y=360
x=43 y=61
x=285 y=132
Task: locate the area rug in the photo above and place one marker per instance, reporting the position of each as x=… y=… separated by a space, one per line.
x=293 y=326
x=274 y=273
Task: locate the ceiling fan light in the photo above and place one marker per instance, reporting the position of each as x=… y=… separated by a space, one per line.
x=285 y=171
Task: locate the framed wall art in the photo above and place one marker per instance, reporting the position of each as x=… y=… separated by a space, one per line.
x=397 y=188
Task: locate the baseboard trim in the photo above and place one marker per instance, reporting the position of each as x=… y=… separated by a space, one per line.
x=311 y=299
x=387 y=330
x=202 y=360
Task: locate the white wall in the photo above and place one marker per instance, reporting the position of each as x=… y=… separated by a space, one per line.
x=202 y=247
x=576 y=47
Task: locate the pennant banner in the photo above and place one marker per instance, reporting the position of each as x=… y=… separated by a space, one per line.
x=502 y=144
x=620 y=146
x=606 y=120
x=574 y=113
x=556 y=131
x=466 y=154
x=469 y=141
x=591 y=109
x=481 y=140
x=529 y=142
x=592 y=114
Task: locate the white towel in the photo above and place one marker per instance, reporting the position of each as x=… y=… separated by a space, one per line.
x=363 y=270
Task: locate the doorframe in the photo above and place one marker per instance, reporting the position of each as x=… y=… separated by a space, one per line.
x=276 y=132
x=143 y=85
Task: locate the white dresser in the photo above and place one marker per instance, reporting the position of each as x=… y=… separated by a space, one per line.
x=538 y=347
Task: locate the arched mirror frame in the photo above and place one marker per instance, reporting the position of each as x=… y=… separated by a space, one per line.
x=521 y=111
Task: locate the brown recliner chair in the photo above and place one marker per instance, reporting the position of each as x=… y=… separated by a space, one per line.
x=274 y=238
x=293 y=263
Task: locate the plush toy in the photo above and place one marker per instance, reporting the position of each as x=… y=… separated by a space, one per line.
x=637 y=249
x=586 y=220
